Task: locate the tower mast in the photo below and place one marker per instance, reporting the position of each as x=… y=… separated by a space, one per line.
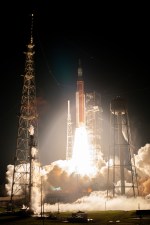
x=22 y=182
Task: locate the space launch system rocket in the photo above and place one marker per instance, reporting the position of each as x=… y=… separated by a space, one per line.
x=80 y=99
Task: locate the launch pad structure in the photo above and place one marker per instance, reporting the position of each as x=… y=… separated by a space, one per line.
x=27 y=138
x=94 y=123
x=122 y=176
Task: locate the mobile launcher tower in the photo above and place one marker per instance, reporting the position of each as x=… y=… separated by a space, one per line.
x=122 y=176
x=94 y=123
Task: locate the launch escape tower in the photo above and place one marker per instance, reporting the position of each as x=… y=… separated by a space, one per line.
x=22 y=182
x=122 y=176
x=94 y=122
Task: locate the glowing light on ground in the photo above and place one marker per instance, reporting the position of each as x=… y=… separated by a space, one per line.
x=81 y=161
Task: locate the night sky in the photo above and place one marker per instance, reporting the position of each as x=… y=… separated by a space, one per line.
x=113 y=45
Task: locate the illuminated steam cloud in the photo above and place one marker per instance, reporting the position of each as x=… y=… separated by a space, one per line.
x=91 y=191
x=94 y=189
x=60 y=176
x=142 y=162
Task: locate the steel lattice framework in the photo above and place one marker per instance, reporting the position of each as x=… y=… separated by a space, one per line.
x=122 y=175
x=94 y=123
x=23 y=163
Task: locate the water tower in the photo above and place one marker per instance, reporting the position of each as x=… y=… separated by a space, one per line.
x=122 y=177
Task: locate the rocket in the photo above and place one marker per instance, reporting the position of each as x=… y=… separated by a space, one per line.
x=80 y=99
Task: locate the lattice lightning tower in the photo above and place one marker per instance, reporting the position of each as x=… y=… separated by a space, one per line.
x=27 y=139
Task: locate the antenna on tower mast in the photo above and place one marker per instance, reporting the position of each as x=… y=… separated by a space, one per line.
x=32 y=15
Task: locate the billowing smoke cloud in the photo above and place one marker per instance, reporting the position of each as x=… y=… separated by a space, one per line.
x=97 y=201
x=61 y=178
x=58 y=178
x=142 y=163
x=76 y=192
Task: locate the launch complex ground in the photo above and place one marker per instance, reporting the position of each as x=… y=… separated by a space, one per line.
x=93 y=217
